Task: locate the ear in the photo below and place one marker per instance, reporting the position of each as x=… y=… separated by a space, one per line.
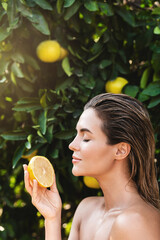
x=122 y=151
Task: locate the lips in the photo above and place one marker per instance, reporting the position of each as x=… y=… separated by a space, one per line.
x=75 y=159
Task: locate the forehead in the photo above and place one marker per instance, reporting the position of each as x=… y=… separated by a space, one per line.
x=89 y=119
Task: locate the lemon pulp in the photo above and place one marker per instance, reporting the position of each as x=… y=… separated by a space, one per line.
x=41 y=169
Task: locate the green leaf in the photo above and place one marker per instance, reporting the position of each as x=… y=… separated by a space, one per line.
x=88 y=81
x=27 y=107
x=154 y=102
x=131 y=90
x=2 y=13
x=59 y=186
x=31 y=61
x=49 y=134
x=72 y=10
x=4 y=63
x=42 y=121
x=16 y=70
x=28 y=100
x=4 y=33
x=68 y=108
x=156 y=11
x=87 y=17
x=92 y=6
x=18 y=154
x=28 y=144
x=105 y=63
x=17 y=57
x=153 y=89
x=55 y=153
x=11 y=12
x=157 y=30
x=67 y=83
x=26 y=86
x=24 y=10
x=64 y=135
x=68 y=3
x=40 y=23
x=142 y=97
x=3 y=79
x=43 y=4
x=156 y=59
x=144 y=78
x=106 y=9
x=66 y=66
x=59 y=6
x=36 y=18
x=122 y=68
x=127 y=16
x=14 y=136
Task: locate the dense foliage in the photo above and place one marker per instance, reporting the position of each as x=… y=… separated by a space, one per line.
x=41 y=102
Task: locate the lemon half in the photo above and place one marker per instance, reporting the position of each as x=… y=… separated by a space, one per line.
x=41 y=169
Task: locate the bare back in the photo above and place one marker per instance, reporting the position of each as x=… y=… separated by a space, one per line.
x=93 y=222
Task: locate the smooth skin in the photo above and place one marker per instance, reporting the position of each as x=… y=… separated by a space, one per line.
x=120 y=214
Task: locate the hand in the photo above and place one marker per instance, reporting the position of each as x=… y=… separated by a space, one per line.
x=47 y=202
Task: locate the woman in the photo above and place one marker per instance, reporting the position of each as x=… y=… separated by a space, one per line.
x=114 y=144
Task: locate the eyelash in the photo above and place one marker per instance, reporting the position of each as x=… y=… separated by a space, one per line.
x=86 y=140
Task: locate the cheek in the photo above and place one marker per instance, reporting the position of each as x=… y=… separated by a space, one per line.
x=92 y=150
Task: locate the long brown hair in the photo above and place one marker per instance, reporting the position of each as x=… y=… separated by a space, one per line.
x=125 y=119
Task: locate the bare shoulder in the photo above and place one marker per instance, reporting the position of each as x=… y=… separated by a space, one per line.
x=86 y=206
x=140 y=221
x=89 y=203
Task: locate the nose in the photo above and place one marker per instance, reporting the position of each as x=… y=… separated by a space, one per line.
x=74 y=146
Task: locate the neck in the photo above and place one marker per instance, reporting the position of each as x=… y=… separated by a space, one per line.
x=119 y=192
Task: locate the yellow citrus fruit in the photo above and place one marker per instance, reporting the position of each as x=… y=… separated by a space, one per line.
x=41 y=169
x=116 y=86
x=63 y=53
x=49 y=51
x=91 y=182
x=29 y=156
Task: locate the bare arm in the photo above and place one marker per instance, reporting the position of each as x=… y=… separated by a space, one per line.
x=48 y=203
x=79 y=217
x=74 y=233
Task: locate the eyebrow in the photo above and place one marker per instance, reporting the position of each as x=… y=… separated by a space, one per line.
x=85 y=130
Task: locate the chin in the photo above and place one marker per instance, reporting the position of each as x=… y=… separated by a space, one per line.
x=79 y=173
x=76 y=172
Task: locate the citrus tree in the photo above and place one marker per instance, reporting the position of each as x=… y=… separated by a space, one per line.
x=107 y=46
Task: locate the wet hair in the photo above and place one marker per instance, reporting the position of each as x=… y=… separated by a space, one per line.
x=125 y=119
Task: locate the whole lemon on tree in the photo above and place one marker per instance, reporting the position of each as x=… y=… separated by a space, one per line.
x=116 y=85
x=49 y=51
x=63 y=53
x=91 y=182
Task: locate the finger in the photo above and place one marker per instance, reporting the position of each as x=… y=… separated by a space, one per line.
x=35 y=194
x=25 y=167
x=27 y=182
x=53 y=188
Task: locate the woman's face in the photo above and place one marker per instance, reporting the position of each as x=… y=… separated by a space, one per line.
x=92 y=156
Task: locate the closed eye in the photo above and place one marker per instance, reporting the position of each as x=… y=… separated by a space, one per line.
x=86 y=140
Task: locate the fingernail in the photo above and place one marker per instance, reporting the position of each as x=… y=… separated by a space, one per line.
x=34 y=181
